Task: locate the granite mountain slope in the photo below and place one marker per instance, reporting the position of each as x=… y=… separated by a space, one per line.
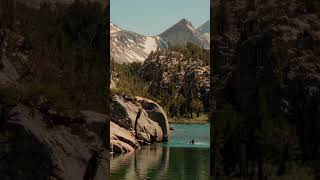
x=128 y=46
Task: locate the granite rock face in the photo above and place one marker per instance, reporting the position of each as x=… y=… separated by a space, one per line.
x=65 y=146
x=169 y=68
x=152 y=125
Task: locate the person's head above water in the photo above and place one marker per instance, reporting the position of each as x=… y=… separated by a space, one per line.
x=192 y=141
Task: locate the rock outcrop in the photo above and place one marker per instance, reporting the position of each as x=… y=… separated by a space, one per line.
x=166 y=69
x=157 y=114
x=152 y=125
x=58 y=146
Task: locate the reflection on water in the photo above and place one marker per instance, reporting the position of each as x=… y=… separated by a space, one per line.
x=159 y=162
x=175 y=160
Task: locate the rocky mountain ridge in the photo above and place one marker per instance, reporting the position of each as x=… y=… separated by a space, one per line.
x=128 y=47
x=183 y=32
x=205 y=30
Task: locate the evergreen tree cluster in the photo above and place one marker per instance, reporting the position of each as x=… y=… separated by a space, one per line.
x=192 y=51
x=130 y=83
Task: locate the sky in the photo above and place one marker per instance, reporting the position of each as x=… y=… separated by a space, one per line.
x=152 y=17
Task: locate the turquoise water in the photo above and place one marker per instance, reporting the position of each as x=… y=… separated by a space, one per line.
x=177 y=159
x=184 y=133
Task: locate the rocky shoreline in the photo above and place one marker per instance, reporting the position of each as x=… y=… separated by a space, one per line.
x=152 y=126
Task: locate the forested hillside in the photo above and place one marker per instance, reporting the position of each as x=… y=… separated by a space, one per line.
x=265 y=98
x=177 y=78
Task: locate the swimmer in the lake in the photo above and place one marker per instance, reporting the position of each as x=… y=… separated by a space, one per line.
x=192 y=141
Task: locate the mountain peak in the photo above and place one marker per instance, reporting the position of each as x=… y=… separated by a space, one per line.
x=205 y=27
x=184 y=22
x=182 y=25
x=182 y=33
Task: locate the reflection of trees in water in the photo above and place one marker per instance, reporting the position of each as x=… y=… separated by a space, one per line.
x=145 y=160
x=139 y=163
x=163 y=165
x=189 y=163
x=120 y=163
x=158 y=162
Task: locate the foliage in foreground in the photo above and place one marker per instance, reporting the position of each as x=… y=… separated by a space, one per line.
x=67 y=44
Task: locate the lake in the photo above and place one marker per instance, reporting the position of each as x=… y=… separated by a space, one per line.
x=177 y=159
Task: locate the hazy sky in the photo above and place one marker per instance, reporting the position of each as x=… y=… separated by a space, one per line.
x=151 y=17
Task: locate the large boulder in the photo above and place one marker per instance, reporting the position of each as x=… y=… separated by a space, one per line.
x=152 y=125
x=122 y=140
x=41 y=148
x=157 y=114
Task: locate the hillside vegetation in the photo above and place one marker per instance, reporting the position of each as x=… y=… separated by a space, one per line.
x=177 y=78
x=58 y=53
x=266 y=97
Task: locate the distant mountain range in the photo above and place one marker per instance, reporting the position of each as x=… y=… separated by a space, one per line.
x=205 y=30
x=128 y=47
